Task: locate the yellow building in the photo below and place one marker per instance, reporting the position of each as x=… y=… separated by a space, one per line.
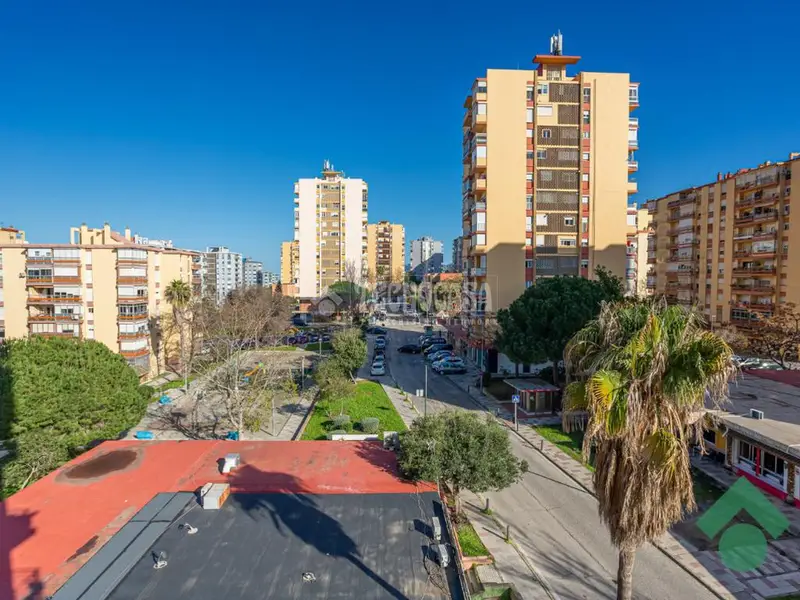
x=726 y=246
x=386 y=250
x=546 y=162
x=101 y=285
x=290 y=258
x=636 y=256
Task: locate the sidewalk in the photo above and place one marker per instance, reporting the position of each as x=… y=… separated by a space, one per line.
x=509 y=565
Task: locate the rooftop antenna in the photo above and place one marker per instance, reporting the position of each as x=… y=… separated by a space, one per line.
x=557 y=44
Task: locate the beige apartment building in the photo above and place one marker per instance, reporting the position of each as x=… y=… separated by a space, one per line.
x=727 y=246
x=636 y=253
x=330 y=228
x=386 y=250
x=101 y=286
x=547 y=159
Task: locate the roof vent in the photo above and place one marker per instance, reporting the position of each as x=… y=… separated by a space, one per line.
x=213 y=495
x=231 y=462
x=756 y=414
x=159 y=560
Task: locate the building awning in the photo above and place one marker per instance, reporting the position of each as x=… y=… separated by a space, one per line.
x=531 y=385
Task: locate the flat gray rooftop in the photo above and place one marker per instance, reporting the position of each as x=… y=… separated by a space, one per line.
x=366 y=546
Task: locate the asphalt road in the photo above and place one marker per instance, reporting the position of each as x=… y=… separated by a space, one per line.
x=552 y=518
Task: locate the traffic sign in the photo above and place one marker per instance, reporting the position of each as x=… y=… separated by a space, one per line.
x=515 y=398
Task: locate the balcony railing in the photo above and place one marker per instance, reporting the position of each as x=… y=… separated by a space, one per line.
x=477 y=271
x=633 y=165
x=67 y=334
x=131 y=299
x=136 y=317
x=47 y=299
x=681 y=259
x=633 y=122
x=754 y=270
x=758 y=182
x=134 y=336
x=753 y=289
x=135 y=353
x=54 y=317
x=132 y=280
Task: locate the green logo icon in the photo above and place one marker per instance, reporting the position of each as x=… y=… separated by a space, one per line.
x=743 y=547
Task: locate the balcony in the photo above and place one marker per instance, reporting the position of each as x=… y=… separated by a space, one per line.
x=633 y=96
x=50 y=299
x=684 y=229
x=131 y=280
x=754 y=270
x=66 y=334
x=137 y=317
x=684 y=244
x=477 y=272
x=139 y=335
x=763 y=253
x=681 y=259
x=131 y=261
x=757 y=182
x=633 y=166
x=633 y=187
x=746 y=323
x=633 y=142
x=135 y=353
x=651 y=260
x=764 y=235
x=749 y=288
x=480 y=183
x=131 y=299
x=53 y=318
x=633 y=123
x=652 y=208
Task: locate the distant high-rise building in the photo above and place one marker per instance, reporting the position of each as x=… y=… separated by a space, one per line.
x=222 y=272
x=386 y=250
x=101 y=286
x=636 y=253
x=290 y=262
x=458 y=256
x=253 y=271
x=270 y=278
x=427 y=256
x=330 y=227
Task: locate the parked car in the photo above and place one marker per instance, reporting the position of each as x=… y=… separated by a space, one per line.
x=432 y=341
x=437 y=348
x=380 y=343
x=450 y=366
x=378 y=369
x=377 y=331
x=379 y=352
x=452 y=358
x=326 y=338
x=432 y=357
x=410 y=349
x=378 y=361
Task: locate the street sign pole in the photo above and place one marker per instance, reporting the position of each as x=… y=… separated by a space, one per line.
x=515 y=400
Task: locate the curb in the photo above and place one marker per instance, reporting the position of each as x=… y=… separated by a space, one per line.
x=592 y=492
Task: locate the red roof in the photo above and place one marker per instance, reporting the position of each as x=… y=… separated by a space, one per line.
x=50 y=529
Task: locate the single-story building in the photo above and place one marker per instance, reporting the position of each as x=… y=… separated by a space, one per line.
x=536 y=397
x=759 y=435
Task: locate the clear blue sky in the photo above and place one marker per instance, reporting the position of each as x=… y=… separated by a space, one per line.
x=190 y=120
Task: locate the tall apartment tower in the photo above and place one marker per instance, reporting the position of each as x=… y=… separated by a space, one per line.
x=636 y=253
x=330 y=227
x=223 y=272
x=547 y=158
x=458 y=256
x=727 y=246
x=100 y=286
x=427 y=256
x=386 y=250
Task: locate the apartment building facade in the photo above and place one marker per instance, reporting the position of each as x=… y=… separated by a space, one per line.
x=458 y=256
x=330 y=227
x=547 y=159
x=223 y=272
x=728 y=246
x=101 y=286
x=427 y=256
x=386 y=250
x=253 y=273
x=636 y=251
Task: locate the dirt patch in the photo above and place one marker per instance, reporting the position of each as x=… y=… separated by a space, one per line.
x=100 y=466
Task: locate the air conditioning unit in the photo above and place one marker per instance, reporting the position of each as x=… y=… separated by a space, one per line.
x=756 y=414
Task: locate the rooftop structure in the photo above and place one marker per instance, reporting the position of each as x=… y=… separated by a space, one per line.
x=303 y=520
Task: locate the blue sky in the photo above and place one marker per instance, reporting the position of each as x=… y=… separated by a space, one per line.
x=191 y=120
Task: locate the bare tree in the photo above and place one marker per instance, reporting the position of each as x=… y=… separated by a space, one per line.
x=248 y=384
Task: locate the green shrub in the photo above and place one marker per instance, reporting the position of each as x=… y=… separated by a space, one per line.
x=370 y=425
x=341 y=421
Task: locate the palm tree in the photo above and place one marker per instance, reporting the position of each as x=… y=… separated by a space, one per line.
x=179 y=294
x=643 y=373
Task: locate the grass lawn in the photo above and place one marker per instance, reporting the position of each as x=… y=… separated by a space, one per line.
x=569 y=443
x=368 y=400
x=314 y=346
x=471 y=544
x=173 y=385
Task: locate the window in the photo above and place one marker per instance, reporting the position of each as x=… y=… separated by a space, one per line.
x=541 y=154
x=529 y=202
x=584 y=224
x=546 y=175
x=584 y=199
x=569 y=221
x=587 y=94
x=567 y=242
x=747 y=454
x=530 y=115
x=585 y=156
x=529 y=176
x=544 y=110
x=773 y=467
x=539 y=241
x=586 y=117
x=524 y=367
x=542 y=88
x=529 y=92
x=529 y=133
x=528 y=241
x=528 y=224
x=541 y=220
x=585 y=135
x=546 y=134
x=585 y=263
x=528 y=263
x=568 y=177
x=529 y=155
x=585 y=177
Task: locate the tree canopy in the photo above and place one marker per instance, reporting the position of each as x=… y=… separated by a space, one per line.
x=56 y=396
x=460 y=449
x=644 y=373
x=537 y=326
x=349 y=350
x=776 y=337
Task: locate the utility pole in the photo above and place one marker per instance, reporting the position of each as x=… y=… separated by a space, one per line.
x=425 y=402
x=302 y=373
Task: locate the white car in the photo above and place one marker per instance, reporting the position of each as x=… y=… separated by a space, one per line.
x=378 y=368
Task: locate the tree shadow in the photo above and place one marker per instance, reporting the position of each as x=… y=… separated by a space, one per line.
x=295 y=512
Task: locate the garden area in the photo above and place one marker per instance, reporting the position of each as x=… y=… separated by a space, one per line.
x=366 y=410
x=471 y=544
x=569 y=443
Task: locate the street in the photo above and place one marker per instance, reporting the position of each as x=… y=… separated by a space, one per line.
x=552 y=518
